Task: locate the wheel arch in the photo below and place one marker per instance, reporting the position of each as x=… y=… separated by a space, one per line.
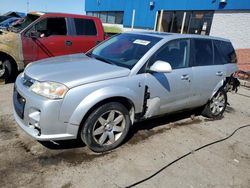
x=222 y=84
x=219 y=85
x=127 y=103
x=12 y=59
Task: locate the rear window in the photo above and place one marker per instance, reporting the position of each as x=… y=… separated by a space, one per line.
x=226 y=51
x=85 y=27
x=203 y=52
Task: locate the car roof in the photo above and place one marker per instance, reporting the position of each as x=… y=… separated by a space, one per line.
x=171 y=36
x=59 y=14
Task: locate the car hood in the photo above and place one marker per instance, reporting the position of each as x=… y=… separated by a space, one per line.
x=7 y=38
x=73 y=70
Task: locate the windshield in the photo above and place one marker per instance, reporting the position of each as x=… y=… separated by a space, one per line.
x=124 y=49
x=23 y=23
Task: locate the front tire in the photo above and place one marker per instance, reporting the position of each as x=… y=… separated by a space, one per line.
x=6 y=69
x=216 y=106
x=106 y=127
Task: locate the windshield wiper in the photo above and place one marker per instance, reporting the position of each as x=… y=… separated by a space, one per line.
x=102 y=59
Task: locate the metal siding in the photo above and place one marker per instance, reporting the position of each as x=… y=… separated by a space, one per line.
x=145 y=18
x=105 y=5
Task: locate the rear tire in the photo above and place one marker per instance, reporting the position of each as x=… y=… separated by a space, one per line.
x=216 y=106
x=106 y=127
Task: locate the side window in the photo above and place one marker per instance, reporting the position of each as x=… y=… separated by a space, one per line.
x=51 y=26
x=218 y=58
x=203 y=52
x=175 y=52
x=85 y=27
x=227 y=51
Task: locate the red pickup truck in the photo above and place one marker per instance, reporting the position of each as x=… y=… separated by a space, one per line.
x=43 y=35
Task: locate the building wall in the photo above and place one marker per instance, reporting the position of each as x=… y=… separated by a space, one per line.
x=145 y=16
x=234 y=25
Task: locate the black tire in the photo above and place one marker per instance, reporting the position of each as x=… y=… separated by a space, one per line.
x=216 y=106
x=106 y=127
x=6 y=69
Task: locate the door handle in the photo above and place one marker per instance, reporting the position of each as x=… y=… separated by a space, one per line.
x=185 y=77
x=219 y=73
x=68 y=43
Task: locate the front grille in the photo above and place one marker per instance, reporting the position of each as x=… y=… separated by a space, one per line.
x=19 y=103
x=27 y=81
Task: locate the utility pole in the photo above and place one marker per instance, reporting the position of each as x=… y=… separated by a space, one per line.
x=28 y=3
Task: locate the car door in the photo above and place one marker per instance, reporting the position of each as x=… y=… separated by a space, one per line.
x=85 y=34
x=208 y=70
x=170 y=91
x=29 y=48
x=52 y=40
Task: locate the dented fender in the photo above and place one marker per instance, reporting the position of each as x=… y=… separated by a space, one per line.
x=99 y=95
x=218 y=86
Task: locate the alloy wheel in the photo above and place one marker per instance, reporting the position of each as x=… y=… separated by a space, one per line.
x=109 y=127
x=217 y=103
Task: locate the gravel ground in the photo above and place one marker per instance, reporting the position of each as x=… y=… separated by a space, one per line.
x=150 y=145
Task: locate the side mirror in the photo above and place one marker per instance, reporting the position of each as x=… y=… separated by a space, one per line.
x=34 y=34
x=161 y=66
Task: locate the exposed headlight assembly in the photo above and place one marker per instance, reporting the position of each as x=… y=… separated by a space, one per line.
x=51 y=90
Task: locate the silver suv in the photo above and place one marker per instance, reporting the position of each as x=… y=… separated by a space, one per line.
x=130 y=77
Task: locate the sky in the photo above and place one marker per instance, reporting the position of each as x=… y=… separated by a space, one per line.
x=66 y=6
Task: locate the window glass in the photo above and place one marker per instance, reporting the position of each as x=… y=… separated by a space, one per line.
x=177 y=22
x=96 y=14
x=90 y=13
x=196 y=22
x=24 y=22
x=119 y=18
x=166 y=21
x=111 y=17
x=200 y=22
x=125 y=49
x=52 y=26
x=227 y=51
x=103 y=17
x=218 y=59
x=41 y=26
x=85 y=27
x=203 y=52
x=176 y=53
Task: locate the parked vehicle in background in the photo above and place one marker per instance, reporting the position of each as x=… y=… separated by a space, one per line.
x=7 y=23
x=43 y=35
x=2 y=18
x=128 y=78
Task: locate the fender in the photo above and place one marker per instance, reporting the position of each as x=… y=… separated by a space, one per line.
x=99 y=95
x=11 y=45
x=217 y=87
x=8 y=51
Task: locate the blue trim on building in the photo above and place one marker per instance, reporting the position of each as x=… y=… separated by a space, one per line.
x=145 y=16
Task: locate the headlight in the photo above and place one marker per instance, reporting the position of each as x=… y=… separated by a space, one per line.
x=51 y=90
